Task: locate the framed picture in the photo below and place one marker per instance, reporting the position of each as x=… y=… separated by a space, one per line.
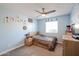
x=30 y=20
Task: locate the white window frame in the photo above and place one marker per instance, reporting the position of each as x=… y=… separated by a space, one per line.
x=51 y=27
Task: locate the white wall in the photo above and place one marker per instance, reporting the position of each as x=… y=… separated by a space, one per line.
x=62 y=22
x=12 y=33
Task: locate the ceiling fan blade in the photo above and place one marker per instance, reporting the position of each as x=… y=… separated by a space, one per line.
x=50 y=11
x=38 y=12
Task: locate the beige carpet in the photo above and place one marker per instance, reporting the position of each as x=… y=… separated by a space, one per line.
x=35 y=51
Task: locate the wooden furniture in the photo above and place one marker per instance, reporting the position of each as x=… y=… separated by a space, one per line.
x=28 y=41
x=70 y=46
x=43 y=41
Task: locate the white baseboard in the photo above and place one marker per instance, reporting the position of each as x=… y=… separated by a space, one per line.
x=11 y=49
x=60 y=42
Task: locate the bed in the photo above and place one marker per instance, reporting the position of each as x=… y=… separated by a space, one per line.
x=45 y=42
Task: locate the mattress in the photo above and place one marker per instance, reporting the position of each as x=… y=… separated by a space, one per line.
x=43 y=38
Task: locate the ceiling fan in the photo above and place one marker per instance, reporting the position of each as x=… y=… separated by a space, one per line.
x=44 y=13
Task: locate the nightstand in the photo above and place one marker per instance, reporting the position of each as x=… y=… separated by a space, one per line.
x=28 y=41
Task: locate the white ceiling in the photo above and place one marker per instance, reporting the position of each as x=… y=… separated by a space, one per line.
x=28 y=9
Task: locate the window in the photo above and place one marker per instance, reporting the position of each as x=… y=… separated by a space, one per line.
x=52 y=27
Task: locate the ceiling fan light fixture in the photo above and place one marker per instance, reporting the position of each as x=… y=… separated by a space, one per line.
x=43 y=15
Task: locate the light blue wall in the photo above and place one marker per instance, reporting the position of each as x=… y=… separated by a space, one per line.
x=75 y=14
x=62 y=22
x=12 y=33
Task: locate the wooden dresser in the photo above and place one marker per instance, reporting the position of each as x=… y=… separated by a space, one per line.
x=70 y=46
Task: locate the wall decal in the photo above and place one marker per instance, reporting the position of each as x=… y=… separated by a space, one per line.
x=21 y=20
x=6 y=19
x=24 y=27
x=24 y=21
x=10 y=19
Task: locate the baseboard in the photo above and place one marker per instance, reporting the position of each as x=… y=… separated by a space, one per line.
x=61 y=43
x=11 y=49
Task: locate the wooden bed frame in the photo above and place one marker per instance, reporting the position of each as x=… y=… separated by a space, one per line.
x=50 y=45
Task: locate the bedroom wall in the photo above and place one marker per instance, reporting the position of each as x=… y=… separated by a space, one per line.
x=75 y=14
x=12 y=33
x=62 y=22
